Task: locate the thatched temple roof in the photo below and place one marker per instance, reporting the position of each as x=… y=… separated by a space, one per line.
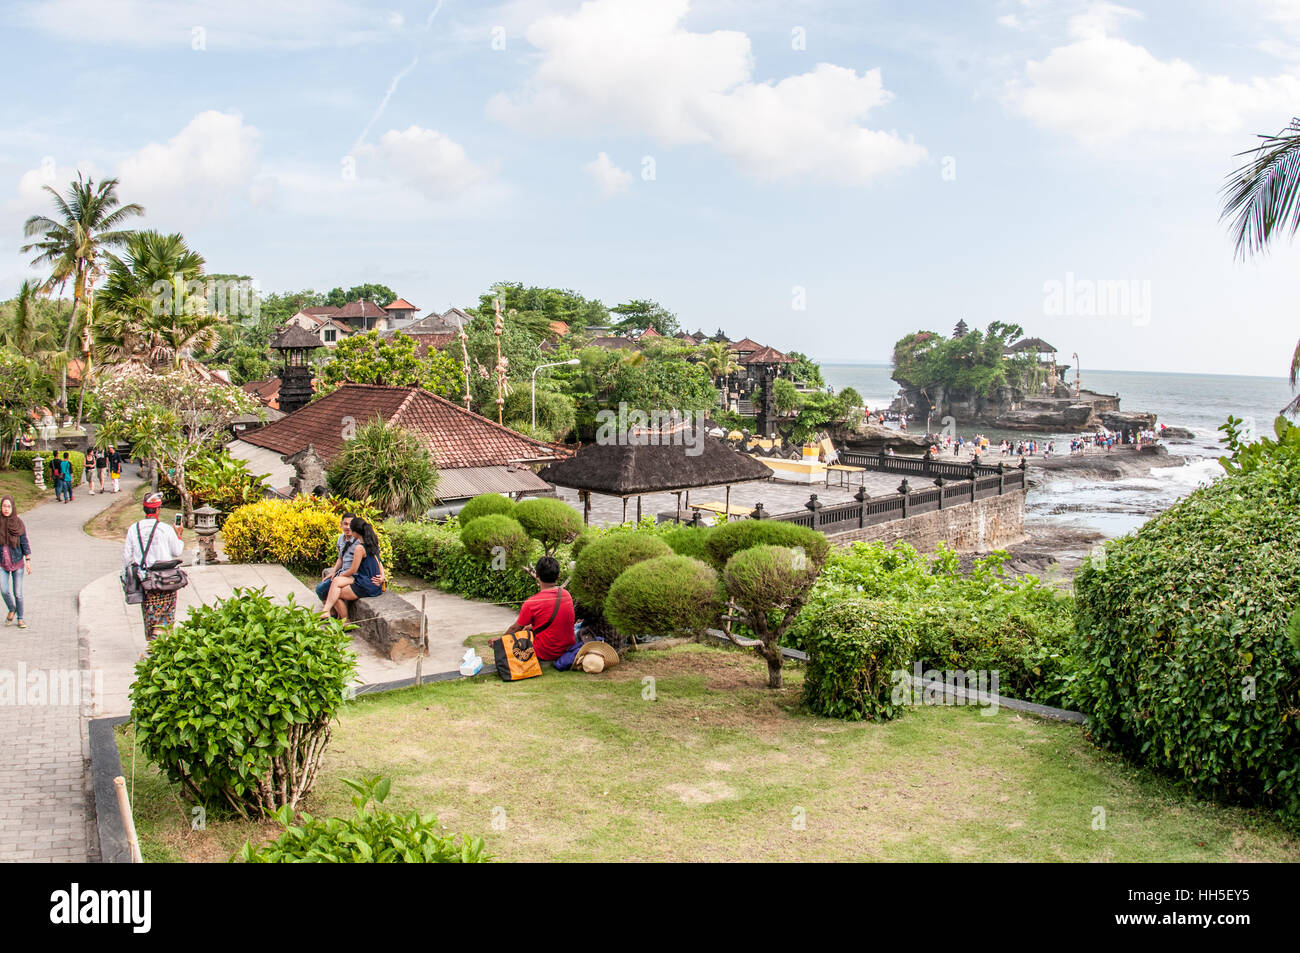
x=634 y=470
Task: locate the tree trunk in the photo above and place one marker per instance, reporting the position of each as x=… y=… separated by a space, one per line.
x=773 y=657
x=153 y=476
x=67 y=344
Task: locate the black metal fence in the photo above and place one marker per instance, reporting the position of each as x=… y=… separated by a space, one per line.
x=951 y=484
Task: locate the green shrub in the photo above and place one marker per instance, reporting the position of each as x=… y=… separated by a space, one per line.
x=667 y=595
x=601 y=562
x=235 y=703
x=855 y=646
x=486 y=504
x=470 y=576
x=688 y=541
x=497 y=539
x=22 y=460
x=371 y=836
x=730 y=538
x=300 y=533
x=646 y=527
x=421 y=549
x=986 y=620
x=551 y=522
x=388 y=465
x=1184 y=660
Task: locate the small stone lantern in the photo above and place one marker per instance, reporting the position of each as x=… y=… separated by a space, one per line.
x=205 y=528
x=38 y=471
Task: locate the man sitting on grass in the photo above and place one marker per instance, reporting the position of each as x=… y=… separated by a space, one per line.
x=548 y=613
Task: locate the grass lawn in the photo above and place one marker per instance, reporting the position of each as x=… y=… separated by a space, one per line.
x=22 y=487
x=716 y=767
x=113 y=522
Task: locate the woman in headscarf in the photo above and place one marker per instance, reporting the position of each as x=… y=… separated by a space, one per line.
x=15 y=560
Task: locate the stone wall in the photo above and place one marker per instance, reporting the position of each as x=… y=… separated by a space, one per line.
x=993 y=522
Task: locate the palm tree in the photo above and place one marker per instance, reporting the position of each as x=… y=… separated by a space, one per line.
x=1263 y=197
x=148 y=305
x=87 y=222
x=721 y=364
x=22 y=331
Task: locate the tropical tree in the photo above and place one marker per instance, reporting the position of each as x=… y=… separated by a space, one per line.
x=86 y=222
x=170 y=418
x=389 y=466
x=638 y=315
x=22 y=387
x=152 y=304
x=720 y=361
x=1262 y=198
x=22 y=330
x=370 y=359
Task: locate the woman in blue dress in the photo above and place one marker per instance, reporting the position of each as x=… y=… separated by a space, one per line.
x=363 y=579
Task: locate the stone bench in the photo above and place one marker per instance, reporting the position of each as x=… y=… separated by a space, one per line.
x=389 y=623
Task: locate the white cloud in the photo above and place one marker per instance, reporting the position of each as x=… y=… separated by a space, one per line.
x=609 y=178
x=424 y=159
x=1101 y=88
x=205 y=168
x=225 y=24
x=631 y=65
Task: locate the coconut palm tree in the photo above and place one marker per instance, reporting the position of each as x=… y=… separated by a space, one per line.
x=1262 y=198
x=87 y=222
x=721 y=364
x=150 y=307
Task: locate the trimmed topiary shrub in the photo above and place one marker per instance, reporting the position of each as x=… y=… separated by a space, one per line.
x=496 y=539
x=371 y=836
x=667 y=595
x=689 y=541
x=421 y=549
x=551 y=522
x=484 y=505
x=855 y=645
x=474 y=578
x=730 y=538
x=235 y=703
x=602 y=561
x=1184 y=660
x=770 y=584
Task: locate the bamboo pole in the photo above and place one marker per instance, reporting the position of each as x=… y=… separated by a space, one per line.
x=424 y=638
x=128 y=823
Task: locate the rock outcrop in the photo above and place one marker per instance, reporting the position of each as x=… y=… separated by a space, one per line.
x=389 y=623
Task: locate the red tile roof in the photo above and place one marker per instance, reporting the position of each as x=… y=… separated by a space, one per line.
x=748 y=344
x=767 y=355
x=319 y=309
x=426 y=341
x=360 y=309
x=267 y=391
x=456 y=437
x=401 y=304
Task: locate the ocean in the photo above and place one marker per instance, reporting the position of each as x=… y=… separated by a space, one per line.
x=1199 y=402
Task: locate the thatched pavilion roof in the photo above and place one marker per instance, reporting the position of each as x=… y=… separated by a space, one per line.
x=633 y=470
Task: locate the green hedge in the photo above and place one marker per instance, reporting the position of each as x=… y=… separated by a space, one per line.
x=421 y=549
x=854 y=648
x=22 y=460
x=689 y=541
x=473 y=577
x=730 y=538
x=1184 y=660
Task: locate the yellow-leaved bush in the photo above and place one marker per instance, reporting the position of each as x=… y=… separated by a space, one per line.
x=298 y=533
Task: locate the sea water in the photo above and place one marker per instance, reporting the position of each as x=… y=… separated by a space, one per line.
x=1198 y=402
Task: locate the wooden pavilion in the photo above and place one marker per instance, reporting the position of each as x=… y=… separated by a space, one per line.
x=629 y=469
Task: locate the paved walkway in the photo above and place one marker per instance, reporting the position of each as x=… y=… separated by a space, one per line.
x=44 y=781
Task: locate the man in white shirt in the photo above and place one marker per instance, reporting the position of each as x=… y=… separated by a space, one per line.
x=148 y=542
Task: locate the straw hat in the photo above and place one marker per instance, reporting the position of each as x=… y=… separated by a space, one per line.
x=595 y=657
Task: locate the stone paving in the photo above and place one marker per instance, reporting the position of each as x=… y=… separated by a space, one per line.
x=44 y=781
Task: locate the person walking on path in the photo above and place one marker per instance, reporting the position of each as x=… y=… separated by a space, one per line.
x=101 y=468
x=115 y=468
x=148 y=542
x=65 y=467
x=56 y=476
x=89 y=467
x=15 y=560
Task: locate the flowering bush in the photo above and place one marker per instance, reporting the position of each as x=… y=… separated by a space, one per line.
x=298 y=533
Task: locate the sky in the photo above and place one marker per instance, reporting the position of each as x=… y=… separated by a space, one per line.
x=819 y=176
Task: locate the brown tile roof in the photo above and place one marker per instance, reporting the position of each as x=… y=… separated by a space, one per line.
x=401 y=304
x=650 y=332
x=426 y=341
x=456 y=437
x=613 y=343
x=748 y=344
x=360 y=309
x=267 y=391
x=319 y=309
x=767 y=355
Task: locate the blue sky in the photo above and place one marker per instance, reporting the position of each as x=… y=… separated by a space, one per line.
x=890 y=166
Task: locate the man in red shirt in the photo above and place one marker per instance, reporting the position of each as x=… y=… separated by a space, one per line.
x=548 y=613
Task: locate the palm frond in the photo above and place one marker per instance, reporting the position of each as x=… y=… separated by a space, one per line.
x=1263 y=195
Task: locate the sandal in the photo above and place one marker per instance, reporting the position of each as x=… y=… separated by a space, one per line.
x=9 y=619
x=22 y=624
